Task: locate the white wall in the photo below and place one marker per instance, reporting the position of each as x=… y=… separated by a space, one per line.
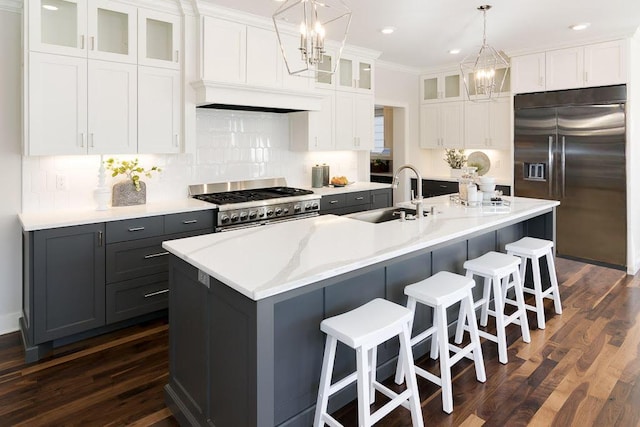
x=10 y=177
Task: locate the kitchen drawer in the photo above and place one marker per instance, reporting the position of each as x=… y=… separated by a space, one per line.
x=439 y=188
x=132 y=229
x=187 y=221
x=357 y=198
x=333 y=202
x=136 y=258
x=132 y=298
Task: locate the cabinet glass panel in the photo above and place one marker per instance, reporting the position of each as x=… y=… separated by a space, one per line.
x=113 y=32
x=346 y=72
x=59 y=23
x=364 y=76
x=452 y=86
x=327 y=66
x=159 y=40
x=430 y=88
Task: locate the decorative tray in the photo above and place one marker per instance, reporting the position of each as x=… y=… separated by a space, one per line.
x=496 y=201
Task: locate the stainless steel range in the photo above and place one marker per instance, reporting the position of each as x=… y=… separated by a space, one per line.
x=256 y=202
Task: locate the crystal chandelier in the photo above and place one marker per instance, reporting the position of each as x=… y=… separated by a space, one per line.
x=485 y=73
x=317 y=21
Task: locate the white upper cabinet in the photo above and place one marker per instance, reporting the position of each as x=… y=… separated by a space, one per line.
x=98 y=29
x=314 y=130
x=325 y=80
x=355 y=74
x=226 y=50
x=528 y=73
x=441 y=125
x=487 y=124
x=294 y=82
x=159 y=101
x=598 y=64
x=159 y=39
x=441 y=87
x=353 y=121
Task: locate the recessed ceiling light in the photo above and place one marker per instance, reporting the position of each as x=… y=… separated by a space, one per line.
x=578 y=27
x=387 y=30
x=49 y=7
x=454 y=51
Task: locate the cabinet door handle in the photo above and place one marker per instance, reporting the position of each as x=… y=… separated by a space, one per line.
x=100 y=239
x=316 y=141
x=359 y=198
x=333 y=202
x=91 y=140
x=136 y=229
x=82 y=42
x=156 y=255
x=153 y=294
x=176 y=140
x=190 y=221
x=177 y=56
x=443 y=186
x=586 y=77
x=92 y=40
x=82 y=136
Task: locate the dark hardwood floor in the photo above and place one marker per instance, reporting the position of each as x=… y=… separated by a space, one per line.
x=582 y=370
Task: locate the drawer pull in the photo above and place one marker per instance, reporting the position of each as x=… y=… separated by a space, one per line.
x=359 y=198
x=153 y=294
x=156 y=255
x=136 y=229
x=443 y=186
x=333 y=202
x=190 y=221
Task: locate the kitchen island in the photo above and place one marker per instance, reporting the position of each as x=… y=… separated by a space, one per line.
x=245 y=306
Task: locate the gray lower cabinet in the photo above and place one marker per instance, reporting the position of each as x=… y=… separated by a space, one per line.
x=433 y=188
x=66 y=286
x=346 y=203
x=84 y=280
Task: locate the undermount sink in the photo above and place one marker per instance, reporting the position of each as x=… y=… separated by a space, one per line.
x=381 y=215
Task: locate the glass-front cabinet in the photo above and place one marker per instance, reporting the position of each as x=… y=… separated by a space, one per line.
x=158 y=39
x=441 y=87
x=355 y=74
x=98 y=29
x=324 y=77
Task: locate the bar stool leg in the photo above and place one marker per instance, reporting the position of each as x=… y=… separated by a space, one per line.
x=554 y=283
x=325 y=380
x=462 y=314
x=364 y=410
x=400 y=369
x=486 y=297
x=524 y=323
x=537 y=286
x=475 y=338
x=500 y=327
x=445 y=364
x=410 y=376
x=373 y=363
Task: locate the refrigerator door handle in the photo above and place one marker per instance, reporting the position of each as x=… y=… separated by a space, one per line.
x=550 y=171
x=563 y=166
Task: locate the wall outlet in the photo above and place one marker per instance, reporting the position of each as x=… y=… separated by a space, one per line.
x=62 y=183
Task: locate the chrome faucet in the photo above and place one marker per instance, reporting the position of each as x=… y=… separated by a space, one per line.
x=418 y=199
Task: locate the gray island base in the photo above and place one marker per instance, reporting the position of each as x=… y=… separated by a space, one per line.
x=240 y=358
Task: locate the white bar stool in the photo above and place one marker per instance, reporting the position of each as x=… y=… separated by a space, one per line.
x=534 y=249
x=441 y=291
x=363 y=329
x=497 y=268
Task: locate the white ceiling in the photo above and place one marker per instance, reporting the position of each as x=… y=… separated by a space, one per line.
x=428 y=29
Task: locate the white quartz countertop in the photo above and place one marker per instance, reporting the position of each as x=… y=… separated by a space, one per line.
x=264 y=261
x=350 y=188
x=44 y=220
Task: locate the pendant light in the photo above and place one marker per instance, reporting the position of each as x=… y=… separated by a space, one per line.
x=316 y=21
x=485 y=73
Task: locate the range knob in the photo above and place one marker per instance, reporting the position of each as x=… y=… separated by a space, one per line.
x=253 y=214
x=269 y=212
x=261 y=214
x=297 y=208
x=307 y=207
x=278 y=211
x=224 y=219
x=285 y=211
x=234 y=218
x=243 y=216
x=315 y=205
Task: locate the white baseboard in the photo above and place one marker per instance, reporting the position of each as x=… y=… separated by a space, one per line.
x=9 y=323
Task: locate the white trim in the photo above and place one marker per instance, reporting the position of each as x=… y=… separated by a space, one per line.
x=573 y=43
x=392 y=66
x=11 y=6
x=9 y=323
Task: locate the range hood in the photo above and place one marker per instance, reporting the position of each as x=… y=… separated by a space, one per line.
x=254 y=98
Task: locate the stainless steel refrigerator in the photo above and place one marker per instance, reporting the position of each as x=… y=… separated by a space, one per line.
x=570 y=146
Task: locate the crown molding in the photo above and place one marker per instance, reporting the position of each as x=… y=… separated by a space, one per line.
x=11 y=6
x=575 y=43
x=392 y=66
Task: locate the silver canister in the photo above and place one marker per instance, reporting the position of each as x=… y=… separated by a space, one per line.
x=317 y=176
x=325 y=174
